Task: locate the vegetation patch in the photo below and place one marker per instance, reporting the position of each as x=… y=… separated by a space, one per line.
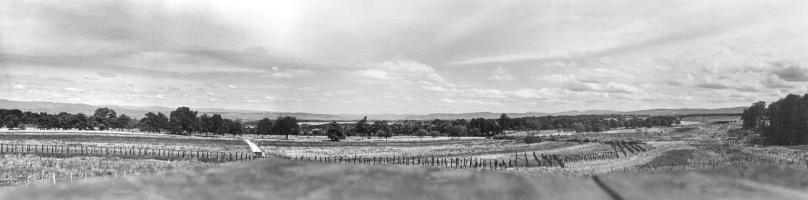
x=670 y=158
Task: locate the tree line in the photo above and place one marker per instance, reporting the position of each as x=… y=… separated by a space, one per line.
x=183 y=120
x=783 y=122
x=102 y=119
x=480 y=127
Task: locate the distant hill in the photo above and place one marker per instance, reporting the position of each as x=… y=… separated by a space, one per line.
x=685 y=111
x=137 y=112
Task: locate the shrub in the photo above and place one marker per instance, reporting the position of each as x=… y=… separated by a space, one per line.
x=533 y=139
x=503 y=137
x=434 y=133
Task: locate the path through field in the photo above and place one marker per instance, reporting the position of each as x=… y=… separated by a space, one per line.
x=253 y=148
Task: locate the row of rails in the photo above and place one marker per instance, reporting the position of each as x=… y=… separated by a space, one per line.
x=126 y=152
x=517 y=159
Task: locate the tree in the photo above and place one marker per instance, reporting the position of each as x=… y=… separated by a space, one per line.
x=457 y=131
x=362 y=127
x=286 y=126
x=81 y=121
x=421 y=132
x=217 y=124
x=384 y=134
x=434 y=133
x=122 y=122
x=264 y=127
x=335 y=132
x=233 y=127
x=162 y=121
x=504 y=122
x=104 y=118
x=205 y=124
x=183 y=120
x=380 y=126
x=787 y=121
x=10 y=118
x=753 y=116
x=11 y=121
x=154 y=122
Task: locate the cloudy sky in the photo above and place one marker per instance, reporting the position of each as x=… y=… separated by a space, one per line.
x=414 y=56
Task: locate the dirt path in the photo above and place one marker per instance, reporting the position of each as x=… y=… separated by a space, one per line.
x=253 y=148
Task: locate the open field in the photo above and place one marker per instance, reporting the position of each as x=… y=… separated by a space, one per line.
x=125 y=141
x=698 y=146
x=37 y=157
x=701 y=144
x=30 y=169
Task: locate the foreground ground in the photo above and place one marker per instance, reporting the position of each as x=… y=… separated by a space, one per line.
x=289 y=179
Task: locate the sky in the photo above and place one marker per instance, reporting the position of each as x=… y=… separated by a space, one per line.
x=414 y=56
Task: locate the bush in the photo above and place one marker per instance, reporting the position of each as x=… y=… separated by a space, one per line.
x=434 y=133
x=421 y=132
x=533 y=139
x=503 y=137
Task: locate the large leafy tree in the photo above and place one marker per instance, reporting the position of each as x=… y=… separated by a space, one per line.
x=504 y=122
x=457 y=131
x=217 y=124
x=154 y=122
x=205 y=125
x=363 y=128
x=122 y=122
x=81 y=121
x=788 y=121
x=286 y=126
x=335 y=132
x=264 y=127
x=381 y=126
x=183 y=120
x=104 y=118
x=11 y=121
x=10 y=118
x=233 y=127
x=753 y=116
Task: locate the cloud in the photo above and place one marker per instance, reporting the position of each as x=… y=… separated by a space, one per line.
x=500 y=74
x=179 y=61
x=530 y=93
x=776 y=83
x=573 y=83
x=374 y=74
x=402 y=70
x=74 y=89
x=609 y=87
x=712 y=86
x=281 y=75
x=792 y=73
x=106 y=74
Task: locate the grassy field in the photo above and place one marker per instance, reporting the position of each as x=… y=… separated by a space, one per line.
x=39 y=157
x=28 y=169
x=124 y=140
x=700 y=144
